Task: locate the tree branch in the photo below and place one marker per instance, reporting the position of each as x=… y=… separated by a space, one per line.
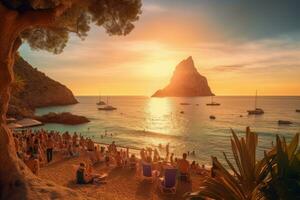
x=41 y=17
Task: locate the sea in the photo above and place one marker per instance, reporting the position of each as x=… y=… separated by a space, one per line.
x=141 y=122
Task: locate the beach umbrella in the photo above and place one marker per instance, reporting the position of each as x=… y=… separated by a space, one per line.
x=14 y=125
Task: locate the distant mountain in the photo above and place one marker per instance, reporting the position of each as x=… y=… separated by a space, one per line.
x=186 y=82
x=38 y=91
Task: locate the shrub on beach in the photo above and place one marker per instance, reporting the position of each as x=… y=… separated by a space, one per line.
x=275 y=176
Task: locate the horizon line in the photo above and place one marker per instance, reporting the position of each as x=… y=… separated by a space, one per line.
x=123 y=95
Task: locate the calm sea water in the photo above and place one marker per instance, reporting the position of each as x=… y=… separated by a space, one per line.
x=144 y=121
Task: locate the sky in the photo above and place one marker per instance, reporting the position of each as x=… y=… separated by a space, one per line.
x=239 y=45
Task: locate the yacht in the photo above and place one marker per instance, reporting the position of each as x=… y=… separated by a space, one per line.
x=256 y=111
x=212 y=103
x=100 y=103
x=107 y=107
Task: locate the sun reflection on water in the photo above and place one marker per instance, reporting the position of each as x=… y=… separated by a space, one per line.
x=159 y=115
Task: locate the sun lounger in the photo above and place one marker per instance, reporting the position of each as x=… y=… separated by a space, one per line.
x=169 y=182
x=146 y=170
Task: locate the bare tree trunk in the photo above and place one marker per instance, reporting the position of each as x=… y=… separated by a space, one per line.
x=16 y=180
x=12 y=184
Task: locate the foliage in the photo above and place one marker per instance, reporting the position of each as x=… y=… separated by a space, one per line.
x=276 y=176
x=116 y=16
x=284 y=180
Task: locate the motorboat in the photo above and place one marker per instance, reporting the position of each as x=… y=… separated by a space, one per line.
x=212 y=117
x=284 y=122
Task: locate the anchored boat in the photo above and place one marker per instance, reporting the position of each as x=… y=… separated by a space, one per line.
x=212 y=103
x=107 y=107
x=256 y=111
x=100 y=103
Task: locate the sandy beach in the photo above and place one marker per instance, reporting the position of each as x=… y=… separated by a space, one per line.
x=122 y=183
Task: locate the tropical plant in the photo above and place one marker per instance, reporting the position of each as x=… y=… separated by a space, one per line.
x=251 y=179
x=284 y=179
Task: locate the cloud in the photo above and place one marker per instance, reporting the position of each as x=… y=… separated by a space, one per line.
x=153 y=8
x=164 y=36
x=228 y=68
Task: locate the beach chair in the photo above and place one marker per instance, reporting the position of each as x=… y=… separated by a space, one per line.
x=147 y=171
x=169 y=182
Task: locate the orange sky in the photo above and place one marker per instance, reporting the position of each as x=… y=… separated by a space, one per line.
x=144 y=61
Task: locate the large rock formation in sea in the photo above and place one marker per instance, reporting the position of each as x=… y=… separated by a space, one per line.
x=38 y=91
x=186 y=82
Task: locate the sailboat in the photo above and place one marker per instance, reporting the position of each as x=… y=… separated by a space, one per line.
x=107 y=107
x=100 y=103
x=256 y=111
x=212 y=103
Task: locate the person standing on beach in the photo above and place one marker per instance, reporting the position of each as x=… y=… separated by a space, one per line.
x=167 y=151
x=50 y=146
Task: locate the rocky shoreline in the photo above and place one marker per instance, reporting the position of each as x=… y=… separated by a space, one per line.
x=62 y=118
x=33 y=89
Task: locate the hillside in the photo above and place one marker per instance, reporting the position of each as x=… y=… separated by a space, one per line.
x=38 y=91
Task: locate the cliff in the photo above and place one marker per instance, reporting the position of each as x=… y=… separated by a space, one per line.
x=185 y=82
x=38 y=90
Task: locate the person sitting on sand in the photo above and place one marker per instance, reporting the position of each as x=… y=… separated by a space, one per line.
x=82 y=175
x=132 y=161
x=184 y=168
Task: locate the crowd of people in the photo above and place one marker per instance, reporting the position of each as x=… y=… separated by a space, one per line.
x=185 y=168
x=37 y=148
